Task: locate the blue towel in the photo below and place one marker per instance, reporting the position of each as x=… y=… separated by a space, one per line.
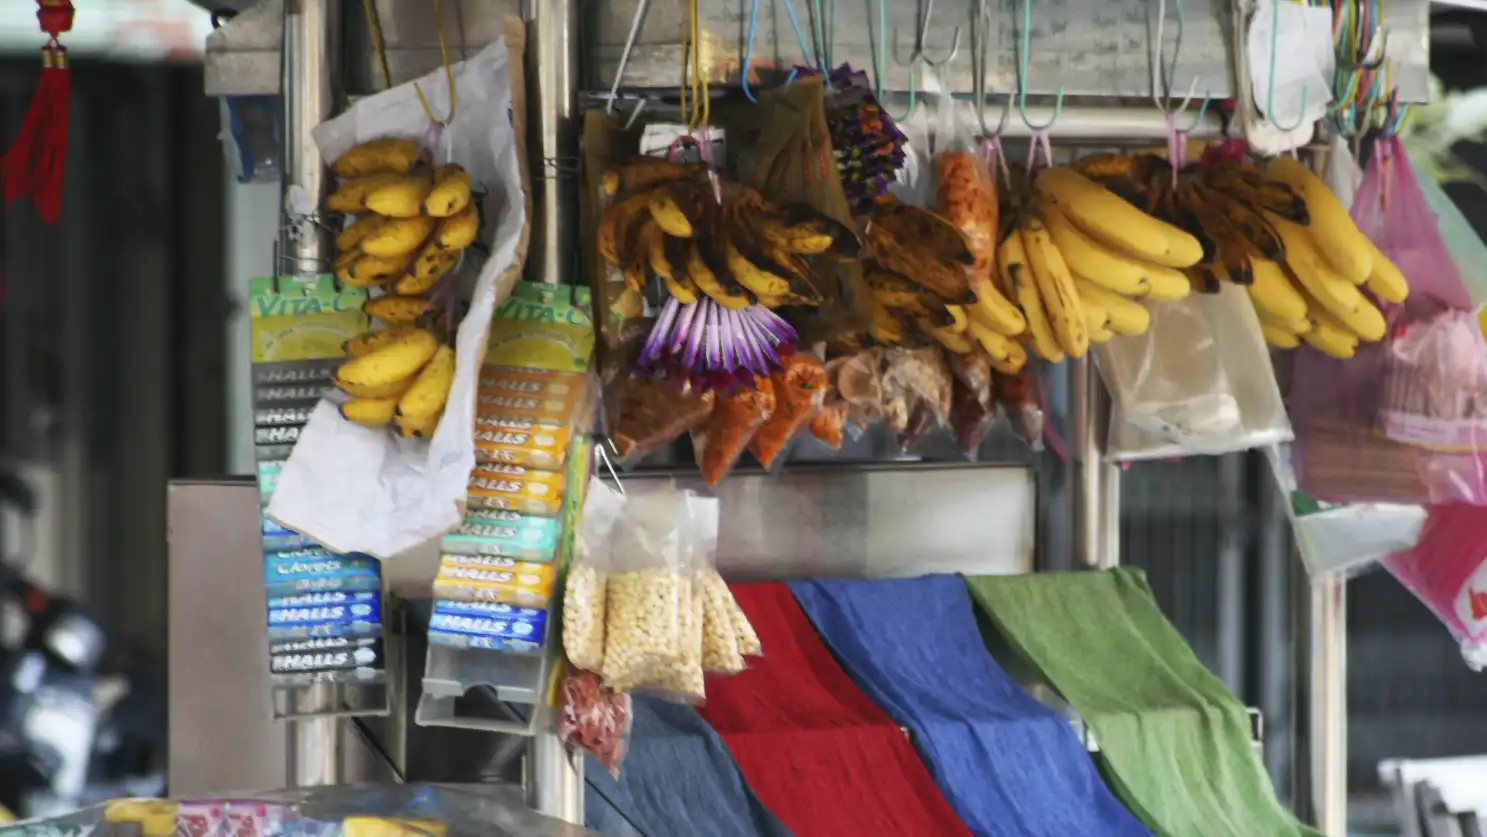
x=677 y=780
x=1010 y=766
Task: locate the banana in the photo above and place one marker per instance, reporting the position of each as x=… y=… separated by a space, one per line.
x=369 y=412
x=1109 y=219
x=359 y=229
x=396 y=309
x=681 y=288
x=888 y=326
x=402 y=198
x=665 y=205
x=1123 y=316
x=995 y=310
x=398 y=359
x=662 y=256
x=1273 y=292
x=451 y=192
x=1337 y=238
x=751 y=271
x=1319 y=278
x=1095 y=263
x=432 y=263
x=947 y=279
x=1096 y=318
x=950 y=338
x=722 y=288
x=1168 y=287
x=797 y=228
x=376 y=391
x=396 y=236
x=346 y=278
x=616 y=222
x=1016 y=360
x=999 y=347
x=368 y=341
x=368 y=269
x=1386 y=281
x=1300 y=325
x=422 y=429
x=1279 y=337
x=645 y=173
x=1055 y=288
x=389 y=154
x=1018 y=277
x=959 y=322
x=458 y=231
x=351 y=195
x=1247 y=184
x=1332 y=339
x=430 y=389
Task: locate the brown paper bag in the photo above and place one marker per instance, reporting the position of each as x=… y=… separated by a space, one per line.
x=782 y=148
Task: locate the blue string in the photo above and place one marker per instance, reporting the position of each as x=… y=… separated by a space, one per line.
x=749 y=45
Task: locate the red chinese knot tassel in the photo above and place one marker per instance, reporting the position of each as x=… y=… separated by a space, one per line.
x=34 y=164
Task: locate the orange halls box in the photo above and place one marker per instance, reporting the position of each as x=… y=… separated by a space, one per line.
x=516 y=488
x=528 y=416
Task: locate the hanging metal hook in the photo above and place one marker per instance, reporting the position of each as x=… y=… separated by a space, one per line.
x=1270 y=93
x=979 y=38
x=917 y=55
x=1022 y=57
x=1163 y=71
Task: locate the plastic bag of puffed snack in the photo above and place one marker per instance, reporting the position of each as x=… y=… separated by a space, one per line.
x=681 y=679
x=647 y=601
x=588 y=575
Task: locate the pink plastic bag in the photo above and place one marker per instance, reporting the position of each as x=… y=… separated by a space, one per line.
x=1447 y=570
x=1398 y=422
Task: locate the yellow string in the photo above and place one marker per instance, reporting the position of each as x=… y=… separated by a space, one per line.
x=376 y=29
x=701 y=102
x=448 y=74
x=381 y=49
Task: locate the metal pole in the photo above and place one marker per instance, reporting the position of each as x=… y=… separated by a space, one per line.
x=552 y=32
x=310 y=59
x=554 y=776
x=1096 y=490
x=1327 y=720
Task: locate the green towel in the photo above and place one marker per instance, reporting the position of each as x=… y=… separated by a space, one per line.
x=1175 y=744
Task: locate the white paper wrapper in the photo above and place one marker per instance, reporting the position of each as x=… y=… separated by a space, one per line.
x=357 y=489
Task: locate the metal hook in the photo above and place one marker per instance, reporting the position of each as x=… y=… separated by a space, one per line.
x=1162 y=72
x=1022 y=55
x=918 y=54
x=1270 y=93
x=603 y=452
x=619 y=73
x=979 y=39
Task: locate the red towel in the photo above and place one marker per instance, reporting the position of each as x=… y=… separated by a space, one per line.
x=815 y=750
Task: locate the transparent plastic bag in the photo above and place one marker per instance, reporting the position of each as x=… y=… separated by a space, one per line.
x=1398 y=421
x=726 y=434
x=1343 y=538
x=646 y=415
x=1447 y=571
x=911 y=376
x=854 y=383
x=648 y=588
x=681 y=679
x=1198 y=382
x=595 y=718
x=799 y=391
x=588 y=574
x=965 y=187
x=1018 y=397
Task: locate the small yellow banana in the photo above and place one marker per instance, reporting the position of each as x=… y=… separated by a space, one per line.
x=994 y=309
x=396 y=309
x=1273 y=292
x=999 y=347
x=1122 y=316
x=681 y=288
x=1279 y=337
x=421 y=429
x=451 y=192
x=431 y=389
x=359 y=229
x=1016 y=360
x=430 y=266
x=1018 y=277
x=1337 y=238
x=397 y=359
x=1300 y=325
x=350 y=280
x=1387 y=281
x=706 y=281
x=762 y=282
x=369 y=412
x=402 y=198
x=351 y=195
x=951 y=339
x=458 y=231
x=1109 y=219
x=1316 y=275
x=392 y=390
x=396 y=236
x=1096 y=318
x=368 y=269
x=1096 y=263
x=668 y=214
x=368 y=341
x=389 y=154
x=1056 y=289
x=1168 y=287
x=1329 y=338
x=958 y=316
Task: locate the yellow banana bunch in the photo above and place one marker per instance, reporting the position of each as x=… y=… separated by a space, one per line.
x=410 y=228
x=396 y=376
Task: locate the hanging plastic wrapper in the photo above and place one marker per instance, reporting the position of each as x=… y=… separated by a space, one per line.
x=1447 y=571
x=1403 y=420
x=588 y=577
x=595 y=718
x=648 y=588
x=1343 y=538
x=1196 y=382
x=359 y=489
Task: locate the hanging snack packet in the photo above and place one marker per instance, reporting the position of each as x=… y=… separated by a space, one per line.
x=595 y=718
x=972 y=414
x=910 y=374
x=649 y=414
x=730 y=428
x=720 y=652
x=643 y=617
x=588 y=574
x=681 y=679
x=828 y=423
x=1447 y=572
x=855 y=383
x=800 y=390
x=1016 y=395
